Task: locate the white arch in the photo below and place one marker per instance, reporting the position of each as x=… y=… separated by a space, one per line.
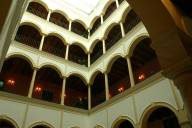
x=13 y=122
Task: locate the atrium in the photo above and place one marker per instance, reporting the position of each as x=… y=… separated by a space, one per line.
x=95 y=64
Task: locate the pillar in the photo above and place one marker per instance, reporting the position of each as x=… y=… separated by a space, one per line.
x=106 y=86
x=130 y=72
x=42 y=42
x=89 y=59
x=49 y=14
x=117 y=3
x=70 y=24
x=89 y=35
x=101 y=18
x=32 y=83
x=122 y=29
x=104 y=47
x=63 y=91
x=89 y=97
x=67 y=52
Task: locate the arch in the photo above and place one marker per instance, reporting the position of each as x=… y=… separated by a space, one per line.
x=22 y=56
x=79 y=45
x=136 y=40
x=82 y=77
x=58 y=36
x=52 y=66
x=41 y=123
x=76 y=94
x=16 y=75
x=59 y=18
x=93 y=45
x=119 y=119
x=79 y=27
x=62 y=13
x=34 y=5
x=37 y=27
x=123 y=16
x=96 y=23
x=78 y=55
x=92 y=78
x=13 y=122
x=109 y=28
x=152 y=107
x=111 y=61
x=93 y=21
x=42 y=3
x=98 y=126
x=109 y=9
x=28 y=35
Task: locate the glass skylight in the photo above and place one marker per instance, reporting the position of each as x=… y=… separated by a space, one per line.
x=87 y=6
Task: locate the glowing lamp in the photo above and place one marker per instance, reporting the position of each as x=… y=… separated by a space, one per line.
x=11 y=82
x=121 y=89
x=38 y=89
x=141 y=77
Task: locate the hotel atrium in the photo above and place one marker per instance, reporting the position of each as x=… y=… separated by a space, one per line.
x=96 y=64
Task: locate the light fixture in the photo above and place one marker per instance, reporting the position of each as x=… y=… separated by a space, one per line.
x=11 y=82
x=141 y=77
x=121 y=89
x=38 y=89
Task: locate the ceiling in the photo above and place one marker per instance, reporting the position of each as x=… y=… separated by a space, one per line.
x=86 y=6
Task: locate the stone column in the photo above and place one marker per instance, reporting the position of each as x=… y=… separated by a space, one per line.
x=89 y=97
x=130 y=72
x=42 y=42
x=122 y=29
x=106 y=86
x=63 y=91
x=89 y=34
x=32 y=83
x=70 y=24
x=104 y=47
x=49 y=14
x=89 y=59
x=67 y=52
x=101 y=18
x=117 y=3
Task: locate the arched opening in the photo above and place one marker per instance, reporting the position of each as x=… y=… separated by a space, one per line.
x=97 y=51
x=123 y=124
x=59 y=19
x=96 y=25
x=77 y=55
x=76 y=93
x=98 y=90
x=79 y=29
x=131 y=21
x=48 y=85
x=144 y=61
x=28 y=35
x=6 y=124
x=15 y=76
x=40 y=126
x=54 y=45
x=37 y=9
x=113 y=36
x=118 y=77
x=120 y=1
x=162 y=118
x=110 y=10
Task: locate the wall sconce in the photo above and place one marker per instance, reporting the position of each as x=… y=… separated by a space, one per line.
x=121 y=89
x=141 y=77
x=38 y=89
x=11 y=82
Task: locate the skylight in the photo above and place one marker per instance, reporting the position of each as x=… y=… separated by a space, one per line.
x=87 y=6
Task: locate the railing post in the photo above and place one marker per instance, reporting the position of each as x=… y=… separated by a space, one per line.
x=32 y=83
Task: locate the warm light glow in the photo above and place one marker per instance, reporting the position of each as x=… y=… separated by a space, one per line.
x=38 y=89
x=121 y=89
x=80 y=98
x=141 y=77
x=11 y=82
